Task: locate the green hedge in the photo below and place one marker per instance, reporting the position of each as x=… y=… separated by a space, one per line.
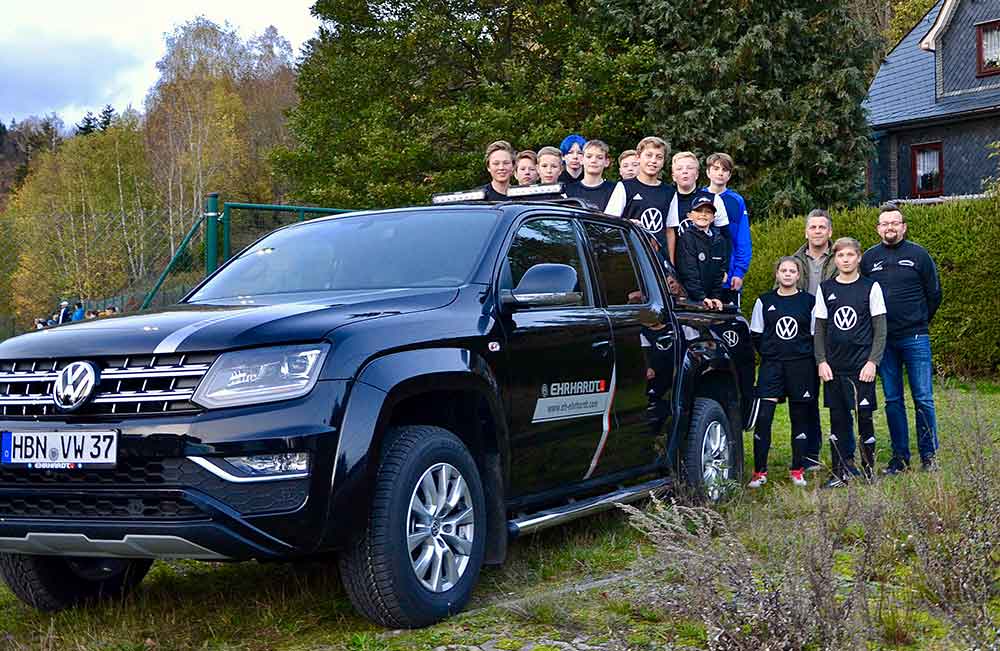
x=963 y=237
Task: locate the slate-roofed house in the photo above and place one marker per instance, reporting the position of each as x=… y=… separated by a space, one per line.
x=934 y=106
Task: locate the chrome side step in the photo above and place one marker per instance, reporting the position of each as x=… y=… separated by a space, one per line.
x=552 y=517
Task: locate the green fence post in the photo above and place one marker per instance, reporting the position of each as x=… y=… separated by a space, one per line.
x=211 y=232
x=302 y=215
x=226 y=242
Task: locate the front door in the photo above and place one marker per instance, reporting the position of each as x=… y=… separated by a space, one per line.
x=560 y=361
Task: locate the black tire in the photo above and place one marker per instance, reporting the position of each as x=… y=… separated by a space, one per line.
x=51 y=583
x=378 y=571
x=708 y=418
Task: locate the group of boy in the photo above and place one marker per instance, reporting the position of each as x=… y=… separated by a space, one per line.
x=825 y=320
x=702 y=232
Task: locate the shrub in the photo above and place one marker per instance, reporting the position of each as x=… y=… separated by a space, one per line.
x=963 y=238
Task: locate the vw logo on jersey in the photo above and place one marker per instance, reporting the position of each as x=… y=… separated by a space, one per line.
x=74 y=384
x=651 y=220
x=731 y=337
x=787 y=328
x=845 y=317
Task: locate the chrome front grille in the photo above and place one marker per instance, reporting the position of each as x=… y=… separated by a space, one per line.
x=129 y=386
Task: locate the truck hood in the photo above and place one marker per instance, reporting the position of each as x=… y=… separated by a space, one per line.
x=260 y=321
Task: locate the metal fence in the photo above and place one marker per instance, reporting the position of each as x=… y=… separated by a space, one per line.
x=143 y=260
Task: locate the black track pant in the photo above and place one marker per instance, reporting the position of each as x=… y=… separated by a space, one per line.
x=799 y=412
x=842 y=443
x=815 y=434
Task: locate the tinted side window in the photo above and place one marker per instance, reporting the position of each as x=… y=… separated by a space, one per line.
x=620 y=279
x=544 y=241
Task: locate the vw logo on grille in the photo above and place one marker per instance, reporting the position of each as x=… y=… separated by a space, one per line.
x=74 y=385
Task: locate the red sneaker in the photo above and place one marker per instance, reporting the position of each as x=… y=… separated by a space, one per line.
x=757 y=480
x=797 y=477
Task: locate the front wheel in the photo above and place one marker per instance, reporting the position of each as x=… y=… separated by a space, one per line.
x=713 y=454
x=419 y=557
x=51 y=583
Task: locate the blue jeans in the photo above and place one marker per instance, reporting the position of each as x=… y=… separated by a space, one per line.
x=913 y=352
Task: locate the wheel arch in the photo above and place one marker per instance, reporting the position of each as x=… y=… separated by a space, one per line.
x=707 y=371
x=453 y=388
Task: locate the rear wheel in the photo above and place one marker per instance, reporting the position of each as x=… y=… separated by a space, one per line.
x=713 y=455
x=419 y=557
x=51 y=583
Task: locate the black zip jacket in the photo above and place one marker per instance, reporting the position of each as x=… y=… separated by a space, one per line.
x=910 y=285
x=702 y=261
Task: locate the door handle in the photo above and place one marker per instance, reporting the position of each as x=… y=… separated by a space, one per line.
x=601 y=347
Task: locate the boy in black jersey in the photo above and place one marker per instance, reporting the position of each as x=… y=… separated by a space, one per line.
x=628 y=164
x=500 y=165
x=849 y=341
x=571 y=149
x=684 y=169
x=592 y=187
x=781 y=327
x=526 y=167
x=702 y=255
x=645 y=199
x=549 y=165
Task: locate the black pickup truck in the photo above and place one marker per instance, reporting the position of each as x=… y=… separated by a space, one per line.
x=409 y=389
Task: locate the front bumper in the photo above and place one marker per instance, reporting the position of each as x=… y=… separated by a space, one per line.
x=163 y=501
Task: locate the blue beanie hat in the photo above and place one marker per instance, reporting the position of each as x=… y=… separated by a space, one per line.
x=570 y=140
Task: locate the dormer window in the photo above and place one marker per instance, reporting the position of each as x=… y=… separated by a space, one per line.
x=988 y=40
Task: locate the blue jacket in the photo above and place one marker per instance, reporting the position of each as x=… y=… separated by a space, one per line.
x=739 y=235
x=78 y=314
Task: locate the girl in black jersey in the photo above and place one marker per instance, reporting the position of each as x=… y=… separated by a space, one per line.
x=782 y=331
x=849 y=341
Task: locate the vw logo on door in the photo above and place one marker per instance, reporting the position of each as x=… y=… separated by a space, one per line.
x=74 y=385
x=731 y=337
x=787 y=327
x=845 y=317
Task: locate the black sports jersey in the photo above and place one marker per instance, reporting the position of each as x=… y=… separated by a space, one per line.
x=647 y=204
x=702 y=261
x=784 y=325
x=597 y=195
x=848 y=309
x=492 y=194
x=566 y=178
x=909 y=282
x=684 y=202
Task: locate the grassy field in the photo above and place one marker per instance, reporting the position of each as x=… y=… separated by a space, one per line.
x=896 y=550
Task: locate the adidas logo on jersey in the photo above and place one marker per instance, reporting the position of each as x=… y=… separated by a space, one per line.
x=771 y=309
x=864 y=402
x=637 y=197
x=831 y=297
x=806 y=395
x=801 y=437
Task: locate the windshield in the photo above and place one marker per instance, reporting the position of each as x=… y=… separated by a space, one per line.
x=379 y=251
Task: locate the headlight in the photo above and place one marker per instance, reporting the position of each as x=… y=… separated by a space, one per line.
x=294 y=463
x=247 y=377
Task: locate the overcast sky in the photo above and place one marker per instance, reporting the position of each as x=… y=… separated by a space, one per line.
x=73 y=56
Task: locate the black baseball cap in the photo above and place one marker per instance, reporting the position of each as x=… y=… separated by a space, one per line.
x=702 y=200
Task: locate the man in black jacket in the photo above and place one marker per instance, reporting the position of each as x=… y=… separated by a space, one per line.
x=702 y=254
x=912 y=291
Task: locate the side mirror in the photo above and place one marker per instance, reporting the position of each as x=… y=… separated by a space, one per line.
x=544 y=285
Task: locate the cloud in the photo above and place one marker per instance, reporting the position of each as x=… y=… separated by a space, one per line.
x=38 y=75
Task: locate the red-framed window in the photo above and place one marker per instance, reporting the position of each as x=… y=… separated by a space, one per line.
x=927 y=164
x=988 y=49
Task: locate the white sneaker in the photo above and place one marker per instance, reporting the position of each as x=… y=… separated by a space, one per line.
x=758 y=480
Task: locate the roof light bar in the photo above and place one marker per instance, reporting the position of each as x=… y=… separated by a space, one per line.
x=458 y=197
x=534 y=190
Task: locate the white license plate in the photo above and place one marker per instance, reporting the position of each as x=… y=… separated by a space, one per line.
x=59 y=450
